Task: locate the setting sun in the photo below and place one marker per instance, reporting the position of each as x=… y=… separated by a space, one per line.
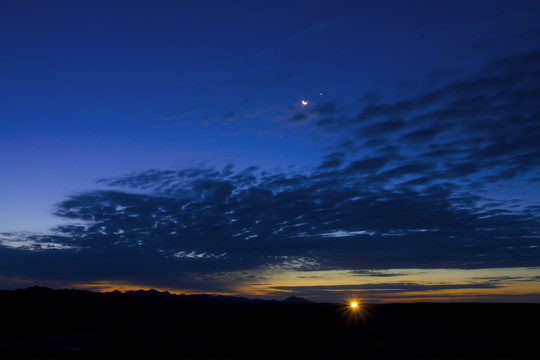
x=354 y=304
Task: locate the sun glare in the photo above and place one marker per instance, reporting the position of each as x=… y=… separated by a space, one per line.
x=353 y=310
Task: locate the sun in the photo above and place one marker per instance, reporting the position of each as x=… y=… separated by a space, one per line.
x=353 y=310
x=353 y=302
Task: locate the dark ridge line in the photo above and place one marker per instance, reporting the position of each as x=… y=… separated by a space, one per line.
x=45 y=293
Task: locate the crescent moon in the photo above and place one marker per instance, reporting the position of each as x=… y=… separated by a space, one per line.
x=304 y=102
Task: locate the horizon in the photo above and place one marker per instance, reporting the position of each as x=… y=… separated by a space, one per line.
x=382 y=150
x=346 y=301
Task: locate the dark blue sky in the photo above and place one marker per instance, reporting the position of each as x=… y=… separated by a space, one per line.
x=387 y=148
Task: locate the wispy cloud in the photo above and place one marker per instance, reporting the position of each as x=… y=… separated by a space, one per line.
x=178 y=115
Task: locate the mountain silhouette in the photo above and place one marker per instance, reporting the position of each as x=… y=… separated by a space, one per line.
x=40 y=322
x=297 y=300
x=39 y=293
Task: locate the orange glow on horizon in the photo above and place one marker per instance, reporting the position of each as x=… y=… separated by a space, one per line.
x=108 y=286
x=277 y=283
x=383 y=286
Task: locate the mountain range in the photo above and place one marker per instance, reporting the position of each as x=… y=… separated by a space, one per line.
x=39 y=293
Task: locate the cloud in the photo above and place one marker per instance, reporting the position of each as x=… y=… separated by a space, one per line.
x=332 y=160
x=178 y=115
x=369 y=292
x=206 y=221
x=380 y=128
x=327 y=108
x=483 y=127
x=231 y=116
x=326 y=116
x=389 y=287
x=374 y=273
x=299 y=117
x=371 y=164
x=406 y=186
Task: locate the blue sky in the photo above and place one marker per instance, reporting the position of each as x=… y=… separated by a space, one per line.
x=262 y=147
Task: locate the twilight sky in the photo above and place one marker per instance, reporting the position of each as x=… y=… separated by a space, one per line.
x=388 y=150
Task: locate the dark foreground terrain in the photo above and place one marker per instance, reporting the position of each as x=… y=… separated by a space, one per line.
x=42 y=323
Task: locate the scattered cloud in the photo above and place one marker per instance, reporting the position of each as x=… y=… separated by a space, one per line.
x=408 y=186
x=231 y=116
x=388 y=287
x=483 y=127
x=206 y=220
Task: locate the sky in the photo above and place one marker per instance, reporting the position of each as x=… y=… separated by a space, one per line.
x=386 y=150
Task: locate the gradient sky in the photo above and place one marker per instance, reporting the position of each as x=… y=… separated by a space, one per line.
x=167 y=144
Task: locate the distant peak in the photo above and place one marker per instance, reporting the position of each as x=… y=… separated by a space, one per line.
x=297 y=300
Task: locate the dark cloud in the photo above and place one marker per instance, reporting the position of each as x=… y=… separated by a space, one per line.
x=205 y=221
x=369 y=292
x=326 y=108
x=421 y=135
x=383 y=127
x=389 y=287
x=369 y=97
x=483 y=126
x=331 y=124
x=230 y=116
x=369 y=164
x=331 y=163
x=332 y=160
x=325 y=115
x=395 y=192
x=413 y=167
x=299 y=117
x=374 y=273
